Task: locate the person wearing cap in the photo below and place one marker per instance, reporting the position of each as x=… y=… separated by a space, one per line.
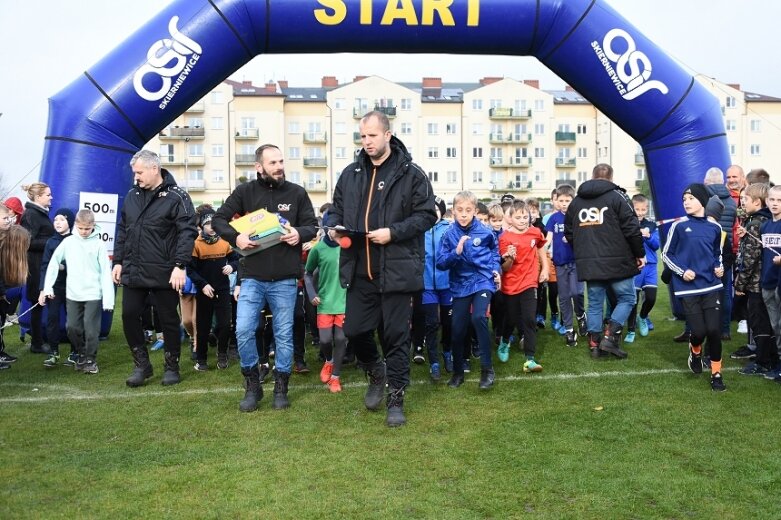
x=63 y=225
x=693 y=254
x=15 y=205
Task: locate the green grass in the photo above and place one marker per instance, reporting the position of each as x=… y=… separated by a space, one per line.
x=640 y=438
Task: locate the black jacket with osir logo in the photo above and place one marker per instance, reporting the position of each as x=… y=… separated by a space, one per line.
x=604 y=232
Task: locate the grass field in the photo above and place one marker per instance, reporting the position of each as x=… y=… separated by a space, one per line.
x=640 y=438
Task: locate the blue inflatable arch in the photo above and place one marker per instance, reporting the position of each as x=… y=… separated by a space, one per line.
x=101 y=119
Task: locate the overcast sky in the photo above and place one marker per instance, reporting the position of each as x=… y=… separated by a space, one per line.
x=45 y=46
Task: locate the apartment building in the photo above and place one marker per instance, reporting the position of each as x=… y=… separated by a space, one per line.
x=493 y=136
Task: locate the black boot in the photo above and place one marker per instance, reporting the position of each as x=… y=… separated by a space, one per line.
x=143 y=368
x=377 y=379
x=395 y=415
x=487 y=377
x=281 y=380
x=253 y=389
x=171 y=374
x=611 y=340
x=593 y=344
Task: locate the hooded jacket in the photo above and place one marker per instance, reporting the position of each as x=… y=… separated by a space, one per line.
x=288 y=200
x=749 y=260
x=604 y=232
x=89 y=269
x=403 y=202
x=727 y=219
x=435 y=279
x=156 y=231
x=473 y=270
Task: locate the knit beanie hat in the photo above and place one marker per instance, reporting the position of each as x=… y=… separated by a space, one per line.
x=699 y=192
x=68 y=214
x=441 y=206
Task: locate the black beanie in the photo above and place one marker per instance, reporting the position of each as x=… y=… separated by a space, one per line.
x=441 y=206
x=206 y=218
x=699 y=192
x=68 y=214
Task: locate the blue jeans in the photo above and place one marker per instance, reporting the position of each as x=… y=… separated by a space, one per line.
x=281 y=298
x=624 y=291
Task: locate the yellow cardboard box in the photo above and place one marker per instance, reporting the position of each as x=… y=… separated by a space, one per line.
x=263 y=227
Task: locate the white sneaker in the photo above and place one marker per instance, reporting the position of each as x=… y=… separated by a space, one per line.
x=742 y=327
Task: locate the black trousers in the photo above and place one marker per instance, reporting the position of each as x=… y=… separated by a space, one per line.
x=368 y=309
x=761 y=328
x=166 y=301
x=520 y=311
x=206 y=308
x=703 y=314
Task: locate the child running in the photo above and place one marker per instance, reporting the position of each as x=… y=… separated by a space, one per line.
x=693 y=254
x=471 y=253
x=645 y=282
x=522 y=253
x=88 y=287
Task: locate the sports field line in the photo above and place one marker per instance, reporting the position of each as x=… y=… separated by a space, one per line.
x=63 y=393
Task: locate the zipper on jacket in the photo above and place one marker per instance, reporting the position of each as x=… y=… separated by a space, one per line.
x=366 y=223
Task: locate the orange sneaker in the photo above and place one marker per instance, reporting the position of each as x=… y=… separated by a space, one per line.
x=325 y=372
x=334 y=385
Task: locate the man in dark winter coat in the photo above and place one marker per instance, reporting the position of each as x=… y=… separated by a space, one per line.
x=270 y=274
x=388 y=199
x=153 y=246
x=605 y=235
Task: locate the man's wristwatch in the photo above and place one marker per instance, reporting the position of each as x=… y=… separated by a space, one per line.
x=179 y=265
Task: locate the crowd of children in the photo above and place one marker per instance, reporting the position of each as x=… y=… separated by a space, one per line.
x=502 y=264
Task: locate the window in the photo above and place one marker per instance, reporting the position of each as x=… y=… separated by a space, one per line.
x=406 y=103
x=195 y=122
x=496 y=153
x=477 y=129
x=248 y=122
x=563 y=153
x=248 y=149
x=433 y=176
x=314 y=153
x=433 y=152
x=640 y=174
x=218 y=176
x=406 y=128
x=539 y=153
x=731 y=125
x=217 y=98
x=564 y=127
x=477 y=153
x=496 y=131
x=731 y=102
x=340 y=103
x=477 y=104
x=581 y=129
x=539 y=176
x=522 y=152
x=582 y=153
x=294 y=152
x=477 y=177
x=539 y=129
x=294 y=127
x=451 y=129
x=217 y=150
x=755 y=125
x=582 y=176
x=340 y=128
x=520 y=130
x=340 y=152
x=217 y=123
x=195 y=175
x=432 y=128
x=361 y=106
x=195 y=150
x=496 y=103
x=294 y=177
x=452 y=177
x=755 y=150
x=520 y=106
x=539 y=105
x=732 y=149
x=450 y=152
x=314 y=128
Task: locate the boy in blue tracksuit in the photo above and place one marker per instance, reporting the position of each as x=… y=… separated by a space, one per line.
x=471 y=252
x=693 y=254
x=437 y=299
x=646 y=280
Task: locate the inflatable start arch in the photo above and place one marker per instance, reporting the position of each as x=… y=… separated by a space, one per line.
x=101 y=119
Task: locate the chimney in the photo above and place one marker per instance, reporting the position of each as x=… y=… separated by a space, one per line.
x=359 y=78
x=282 y=83
x=271 y=87
x=535 y=83
x=329 y=82
x=490 y=79
x=246 y=82
x=567 y=88
x=432 y=82
x=736 y=86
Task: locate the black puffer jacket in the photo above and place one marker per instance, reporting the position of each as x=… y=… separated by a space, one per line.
x=405 y=205
x=156 y=231
x=289 y=201
x=35 y=220
x=604 y=232
x=726 y=221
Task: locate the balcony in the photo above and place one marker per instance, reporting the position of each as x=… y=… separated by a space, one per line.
x=315 y=138
x=496 y=138
x=359 y=112
x=519 y=138
x=571 y=182
x=315 y=162
x=388 y=111
x=511 y=162
x=639 y=159
x=247 y=133
x=193 y=185
x=565 y=137
x=512 y=186
x=565 y=162
x=508 y=113
x=245 y=158
x=315 y=186
x=182 y=133
x=200 y=106
x=179 y=160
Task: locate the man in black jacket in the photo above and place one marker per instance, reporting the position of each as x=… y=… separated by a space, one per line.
x=269 y=274
x=388 y=200
x=605 y=235
x=153 y=245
